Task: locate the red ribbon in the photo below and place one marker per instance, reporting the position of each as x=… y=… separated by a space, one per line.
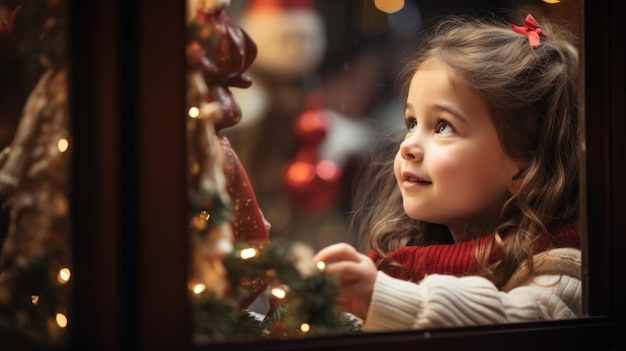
x=530 y=29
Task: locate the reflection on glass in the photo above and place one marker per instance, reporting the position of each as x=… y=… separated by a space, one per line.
x=35 y=260
x=322 y=94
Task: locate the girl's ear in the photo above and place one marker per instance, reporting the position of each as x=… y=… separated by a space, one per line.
x=516 y=181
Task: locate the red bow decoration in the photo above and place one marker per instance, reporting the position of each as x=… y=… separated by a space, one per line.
x=531 y=30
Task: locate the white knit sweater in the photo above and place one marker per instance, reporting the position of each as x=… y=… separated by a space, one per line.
x=554 y=291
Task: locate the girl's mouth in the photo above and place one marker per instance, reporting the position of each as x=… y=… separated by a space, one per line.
x=413 y=178
x=417 y=180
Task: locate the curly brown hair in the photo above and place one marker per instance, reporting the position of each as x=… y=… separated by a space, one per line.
x=532 y=96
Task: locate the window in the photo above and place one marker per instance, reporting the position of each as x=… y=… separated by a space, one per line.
x=127 y=90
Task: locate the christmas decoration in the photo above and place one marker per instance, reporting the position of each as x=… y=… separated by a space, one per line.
x=225 y=279
x=232 y=259
x=291 y=39
x=302 y=298
x=312 y=184
x=35 y=259
x=224 y=207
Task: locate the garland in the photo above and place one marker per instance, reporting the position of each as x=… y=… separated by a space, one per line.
x=302 y=304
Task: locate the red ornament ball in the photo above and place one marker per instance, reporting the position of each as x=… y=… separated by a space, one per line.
x=311 y=127
x=311 y=184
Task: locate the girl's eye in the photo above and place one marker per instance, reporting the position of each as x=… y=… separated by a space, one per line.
x=443 y=127
x=411 y=123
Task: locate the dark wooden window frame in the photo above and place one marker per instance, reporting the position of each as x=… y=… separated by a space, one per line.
x=127 y=89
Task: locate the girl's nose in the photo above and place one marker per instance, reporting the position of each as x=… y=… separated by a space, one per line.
x=411 y=149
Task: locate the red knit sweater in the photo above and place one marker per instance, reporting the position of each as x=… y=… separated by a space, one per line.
x=460 y=259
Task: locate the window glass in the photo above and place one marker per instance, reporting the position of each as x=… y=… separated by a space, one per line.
x=291 y=99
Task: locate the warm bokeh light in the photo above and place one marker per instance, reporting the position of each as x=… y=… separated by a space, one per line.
x=61 y=320
x=305 y=327
x=389 y=6
x=63 y=144
x=552 y=1
x=200 y=220
x=199 y=288
x=321 y=265
x=194 y=112
x=205 y=215
x=248 y=253
x=327 y=170
x=34 y=299
x=300 y=172
x=194 y=167
x=279 y=293
x=64 y=275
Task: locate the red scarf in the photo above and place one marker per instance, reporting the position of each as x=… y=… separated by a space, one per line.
x=460 y=259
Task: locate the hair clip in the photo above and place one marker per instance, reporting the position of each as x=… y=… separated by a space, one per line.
x=531 y=29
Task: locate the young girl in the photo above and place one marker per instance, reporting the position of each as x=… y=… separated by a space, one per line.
x=476 y=218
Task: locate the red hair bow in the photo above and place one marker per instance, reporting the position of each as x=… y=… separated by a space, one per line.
x=531 y=30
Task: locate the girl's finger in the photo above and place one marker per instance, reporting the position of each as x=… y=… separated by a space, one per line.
x=337 y=252
x=347 y=271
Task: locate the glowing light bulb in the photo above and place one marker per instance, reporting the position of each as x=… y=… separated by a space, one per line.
x=61 y=320
x=248 y=253
x=279 y=293
x=199 y=288
x=193 y=112
x=64 y=275
x=34 y=299
x=199 y=221
x=321 y=265
x=552 y=1
x=63 y=144
x=305 y=327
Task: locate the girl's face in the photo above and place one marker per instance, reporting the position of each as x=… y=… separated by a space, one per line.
x=451 y=168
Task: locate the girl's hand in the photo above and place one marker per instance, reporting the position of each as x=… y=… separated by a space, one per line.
x=356 y=273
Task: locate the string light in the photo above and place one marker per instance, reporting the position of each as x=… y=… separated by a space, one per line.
x=279 y=292
x=61 y=320
x=64 y=275
x=199 y=288
x=63 y=144
x=305 y=327
x=321 y=265
x=199 y=221
x=34 y=299
x=193 y=112
x=248 y=253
